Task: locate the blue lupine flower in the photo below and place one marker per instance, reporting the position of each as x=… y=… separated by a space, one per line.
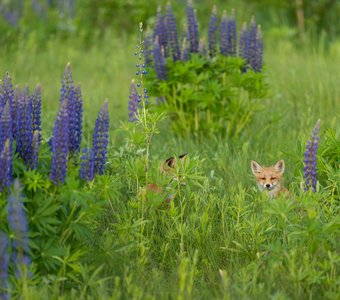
x=252 y=44
x=36 y=108
x=259 y=50
x=148 y=47
x=172 y=33
x=7 y=94
x=212 y=32
x=18 y=226
x=35 y=150
x=310 y=159
x=160 y=31
x=15 y=104
x=79 y=118
x=4 y=261
x=60 y=145
x=159 y=61
x=133 y=102
x=231 y=35
x=86 y=171
x=5 y=126
x=24 y=126
x=192 y=28
x=101 y=139
x=224 y=46
x=68 y=93
x=6 y=166
x=243 y=44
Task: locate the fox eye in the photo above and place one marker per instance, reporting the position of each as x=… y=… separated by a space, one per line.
x=272 y=178
x=263 y=178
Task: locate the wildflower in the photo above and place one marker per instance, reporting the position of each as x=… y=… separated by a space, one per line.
x=36 y=108
x=231 y=35
x=6 y=166
x=60 y=145
x=160 y=32
x=243 y=43
x=4 y=261
x=101 y=139
x=5 y=126
x=212 y=31
x=86 y=171
x=159 y=61
x=24 y=126
x=224 y=35
x=192 y=28
x=252 y=44
x=6 y=91
x=33 y=162
x=259 y=50
x=148 y=47
x=310 y=159
x=133 y=102
x=78 y=118
x=19 y=228
x=172 y=33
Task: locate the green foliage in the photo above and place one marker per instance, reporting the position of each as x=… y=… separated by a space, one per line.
x=209 y=96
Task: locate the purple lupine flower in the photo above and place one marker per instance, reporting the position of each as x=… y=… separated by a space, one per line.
x=192 y=28
x=36 y=108
x=6 y=166
x=310 y=159
x=60 y=145
x=101 y=139
x=160 y=32
x=18 y=226
x=4 y=261
x=243 y=44
x=68 y=93
x=24 y=126
x=172 y=33
x=5 y=126
x=259 y=50
x=159 y=61
x=35 y=150
x=86 y=171
x=212 y=32
x=148 y=47
x=231 y=35
x=133 y=102
x=224 y=35
x=252 y=44
x=79 y=118
x=11 y=13
x=7 y=94
x=15 y=105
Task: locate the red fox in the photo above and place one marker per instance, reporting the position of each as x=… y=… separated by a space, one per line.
x=169 y=168
x=269 y=178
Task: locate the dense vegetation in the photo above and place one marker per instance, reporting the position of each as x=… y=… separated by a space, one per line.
x=95 y=234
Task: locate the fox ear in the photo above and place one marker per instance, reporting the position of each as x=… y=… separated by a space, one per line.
x=255 y=167
x=280 y=166
x=169 y=163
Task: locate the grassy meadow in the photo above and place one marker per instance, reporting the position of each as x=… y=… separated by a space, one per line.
x=220 y=238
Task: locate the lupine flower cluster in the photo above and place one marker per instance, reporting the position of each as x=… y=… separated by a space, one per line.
x=310 y=159
x=165 y=41
x=19 y=120
x=93 y=160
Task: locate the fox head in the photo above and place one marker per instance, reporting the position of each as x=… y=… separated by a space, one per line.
x=268 y=178
x=169 y=166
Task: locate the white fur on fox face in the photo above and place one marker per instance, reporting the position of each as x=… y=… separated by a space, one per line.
x=266 y=186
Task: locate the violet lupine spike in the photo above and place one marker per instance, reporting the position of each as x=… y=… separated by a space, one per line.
x=4 y=262
x=36 y=108
x=24 y=127
x=231 y=35
x=252 y=43
x=15 y=105
x=159 y=61
x=6 y=91
x=6 y=166
x=243 y=44
x=192 y=28
x=35 y=150
x=134 y=101
x=309 y=161
x=79 y=118
x=86 y=171
x=172 y=33
x=101 y=139
x=259 y=50
x=18 y=226
x=68 y=93
x=148 y=47
x=60 y=145
x=160 y=31
x=5 y=126
x=224 y=46
x=212 y=32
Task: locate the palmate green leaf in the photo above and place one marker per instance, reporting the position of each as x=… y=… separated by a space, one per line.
x=35 y=181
